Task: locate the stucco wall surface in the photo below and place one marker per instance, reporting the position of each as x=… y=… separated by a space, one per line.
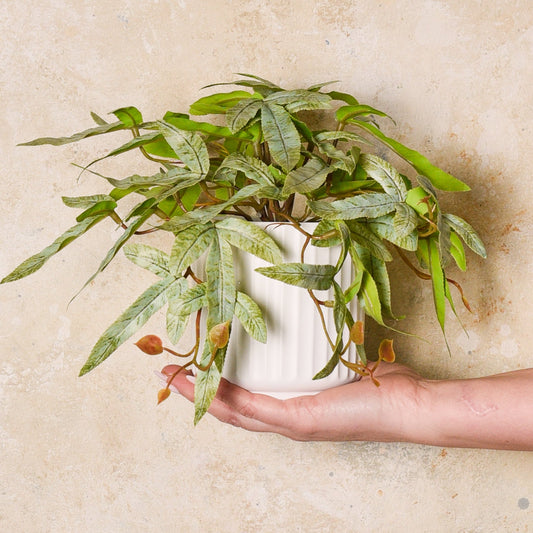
x=95 y=454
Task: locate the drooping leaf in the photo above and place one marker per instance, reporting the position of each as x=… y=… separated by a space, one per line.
x=340 y=313
x=281 y=136
x=176 y=321
x=35 y=262
x=362 y=234
x=130 y=321
x=221 y=291
x=148 y=257
x=381 y=278
x=189 y=147
x=315 y=277
x=84 y=202
x=467 y=233
x=369 y=298
x=249 y=237
x=306 y=178
x=440 y=179
x=385 y=174
x=457 y=250
x=240 y=115
x=251 y=317
x=438 y=279
x=206 y=385
x=91 y=132
x=371 y=205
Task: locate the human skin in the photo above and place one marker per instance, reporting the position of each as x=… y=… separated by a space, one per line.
x=487 y=412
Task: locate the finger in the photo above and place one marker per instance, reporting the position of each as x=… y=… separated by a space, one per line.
x=237 y=406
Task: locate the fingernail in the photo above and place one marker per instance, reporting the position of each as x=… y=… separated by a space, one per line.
x=190 y=378
x=161 y=376
x=174 y=389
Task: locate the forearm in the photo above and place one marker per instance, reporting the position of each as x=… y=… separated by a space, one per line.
x=491 y=412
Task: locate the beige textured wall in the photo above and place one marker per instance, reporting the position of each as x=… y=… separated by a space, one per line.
x=95 y=454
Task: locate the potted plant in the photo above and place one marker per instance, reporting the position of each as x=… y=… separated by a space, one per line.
x=275 y=162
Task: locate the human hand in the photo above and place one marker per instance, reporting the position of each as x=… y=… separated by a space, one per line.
x=356 y=411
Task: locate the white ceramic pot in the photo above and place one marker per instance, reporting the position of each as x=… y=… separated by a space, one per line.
x=296 y=347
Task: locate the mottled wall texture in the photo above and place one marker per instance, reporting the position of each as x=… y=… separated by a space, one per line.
x=95 y=454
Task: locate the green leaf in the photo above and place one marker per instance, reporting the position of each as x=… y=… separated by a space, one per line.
x=98 y=119
x=84 y=202
x=315 y=277
x=249 y=237
x=385 y=174
x=192 y=299
x=384 y=228
x=207 y=214
x=91 y=132
x=307 y=178
x=340 y=314
x=104 y=207
x=380 y=276
x=129 y=116
x=343 y=97
x=176 y=322
x=457 y=250
x=189 y=244
x=405 y=220
x=35 y=262
x=369 y=297
x=218 y=103
x=341 y=159
x=438 y=278
x=299 y=100
x=251 y=317
x=130 y=321
x=347 y=112
x=253 y=168
x=440 y=179
x=221 y=291
x=281 y=136
x=365 y=237
x=148 y=257
x=346 y=136
x=189 y=147
x=370 y=205
x=240 y=115
x=416 y=199
x=206 y=385
x=183 y=122
x=467 y=233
